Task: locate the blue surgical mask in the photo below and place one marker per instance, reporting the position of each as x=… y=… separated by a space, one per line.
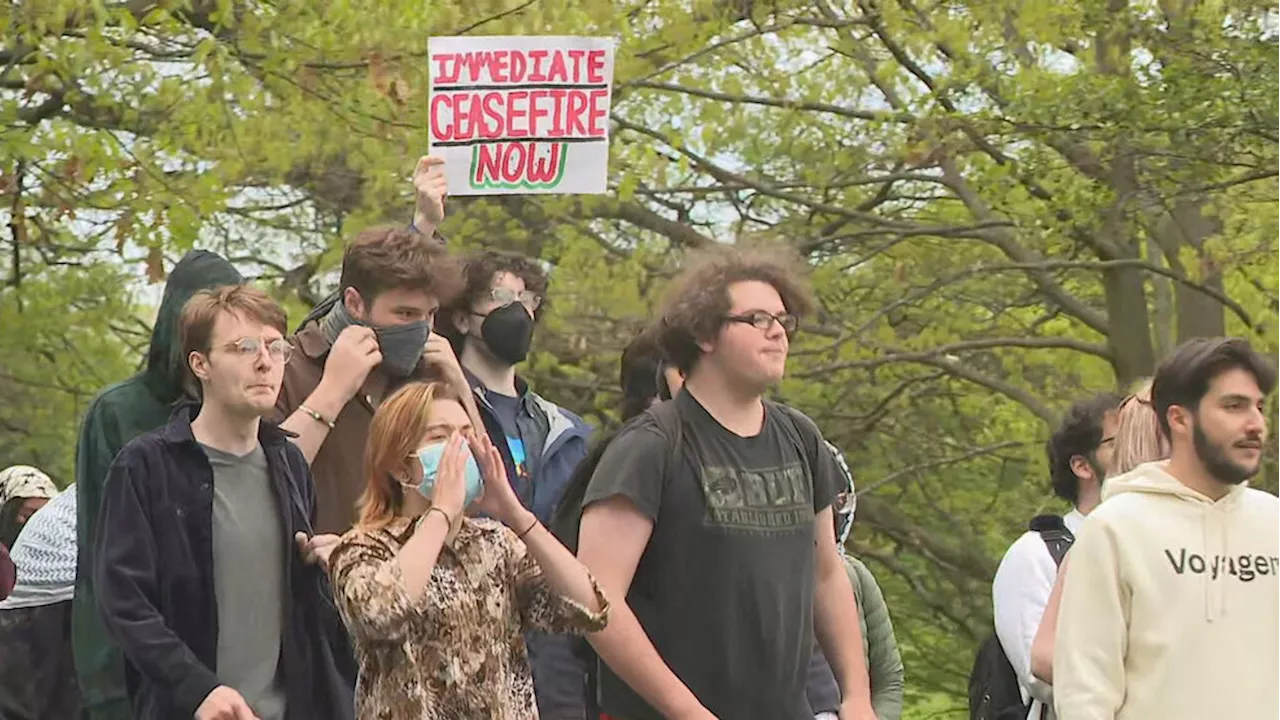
x=430 y=457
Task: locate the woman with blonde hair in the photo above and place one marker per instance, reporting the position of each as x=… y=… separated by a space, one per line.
x=437 y=602
x=1138 y=440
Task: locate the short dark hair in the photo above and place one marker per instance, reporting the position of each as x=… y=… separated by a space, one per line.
x=391 y=257
x=698 y=299
x=1184 y=376
x=638 y=373
x=478 y=271
x=1079 y=433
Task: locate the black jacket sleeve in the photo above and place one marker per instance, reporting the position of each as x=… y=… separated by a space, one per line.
x=125 y=576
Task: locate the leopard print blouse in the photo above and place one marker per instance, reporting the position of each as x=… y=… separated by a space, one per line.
x=457 y=651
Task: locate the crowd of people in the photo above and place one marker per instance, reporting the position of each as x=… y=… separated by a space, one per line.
x=350 y=519
x=375 y=516
x=1156 y=596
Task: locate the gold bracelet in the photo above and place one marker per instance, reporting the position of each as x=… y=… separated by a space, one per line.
x=317 y=416
x=532 y=525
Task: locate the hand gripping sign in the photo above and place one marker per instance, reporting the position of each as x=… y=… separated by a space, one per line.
x=515 y=115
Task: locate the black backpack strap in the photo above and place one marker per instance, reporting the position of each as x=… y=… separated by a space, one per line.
x=804 y=433
x=1055 y=534
x=667 y=415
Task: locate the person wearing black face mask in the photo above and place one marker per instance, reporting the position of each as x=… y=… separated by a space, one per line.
x=491 y=326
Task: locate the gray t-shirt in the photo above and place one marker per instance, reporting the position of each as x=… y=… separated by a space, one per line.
x=249 y=556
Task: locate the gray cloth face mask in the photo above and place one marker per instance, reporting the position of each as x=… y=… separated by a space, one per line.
x=401 y=345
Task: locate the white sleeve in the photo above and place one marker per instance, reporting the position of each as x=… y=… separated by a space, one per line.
x=1020 y=593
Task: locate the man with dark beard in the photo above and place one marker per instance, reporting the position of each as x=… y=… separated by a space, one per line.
x=1171 y=602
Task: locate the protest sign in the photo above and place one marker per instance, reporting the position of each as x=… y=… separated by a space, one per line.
x=515 y=115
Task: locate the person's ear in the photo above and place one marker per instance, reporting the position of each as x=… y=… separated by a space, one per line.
x=461 y=321
x=1082 y=468
x=199 y=364
x=1181 y=420
x=355 y=304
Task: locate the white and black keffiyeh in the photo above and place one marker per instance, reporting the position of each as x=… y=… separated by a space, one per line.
x=45 y=555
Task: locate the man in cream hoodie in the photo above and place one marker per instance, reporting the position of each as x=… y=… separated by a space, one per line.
x=1171 y=601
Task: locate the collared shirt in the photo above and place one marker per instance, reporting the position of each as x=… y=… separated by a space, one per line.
x=455 y=651
x=338 y=467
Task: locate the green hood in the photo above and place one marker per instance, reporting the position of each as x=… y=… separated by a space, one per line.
x=196 y=271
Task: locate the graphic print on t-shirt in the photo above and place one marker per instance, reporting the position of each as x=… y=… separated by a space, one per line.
x=761 y=500
x=516 y=445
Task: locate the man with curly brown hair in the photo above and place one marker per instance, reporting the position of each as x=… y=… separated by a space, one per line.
x=711 y=515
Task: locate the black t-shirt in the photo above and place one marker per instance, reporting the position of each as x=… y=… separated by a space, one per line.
x=725 y=587
x=507 y=409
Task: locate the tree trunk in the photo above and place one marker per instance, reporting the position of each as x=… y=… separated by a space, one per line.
x=1133 y=357
x=1198 y=314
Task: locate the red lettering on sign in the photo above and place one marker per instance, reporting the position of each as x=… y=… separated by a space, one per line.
x=577 y=108
x=443 y=76
x=462 y=116
x=492 y=103
x=536 y=75
x=519 y=66
x=441 y=104
x=597 y=115
x=557 y=73
x=512 y=163
x=537 y=111
x=595 y=67
x=576 y=57
x=517 y=110
x=500 y=69
x=557 y=116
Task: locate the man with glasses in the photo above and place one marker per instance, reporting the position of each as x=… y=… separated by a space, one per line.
x=709 y=520
x=1080 y=453
x=209 y=577
x=117 y=415
x=491 y=326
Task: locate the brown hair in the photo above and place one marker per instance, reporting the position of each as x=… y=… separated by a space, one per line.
x=390 y=257
x=201 y=311
x=1138 y=436
x=697 y=300
x=1183 y=378
x=398 y=426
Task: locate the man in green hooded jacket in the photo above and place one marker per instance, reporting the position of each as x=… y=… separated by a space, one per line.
x=117 y=415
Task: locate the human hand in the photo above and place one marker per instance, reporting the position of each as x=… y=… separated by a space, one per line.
x=499 y=499
x=352 y=357
x=855 y=709
x=317 y=548
x=450 y=491
x=429 y=189
x=439 y=354
x=224 y=704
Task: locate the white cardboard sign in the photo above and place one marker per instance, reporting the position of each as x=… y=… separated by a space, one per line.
x=521 y=114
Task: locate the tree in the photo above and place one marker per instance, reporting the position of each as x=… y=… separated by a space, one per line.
x=1005 y=204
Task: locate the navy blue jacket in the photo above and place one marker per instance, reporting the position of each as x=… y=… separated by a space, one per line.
x=154 y=575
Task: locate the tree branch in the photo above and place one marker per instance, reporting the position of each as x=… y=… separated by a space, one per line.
x=872 y=115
